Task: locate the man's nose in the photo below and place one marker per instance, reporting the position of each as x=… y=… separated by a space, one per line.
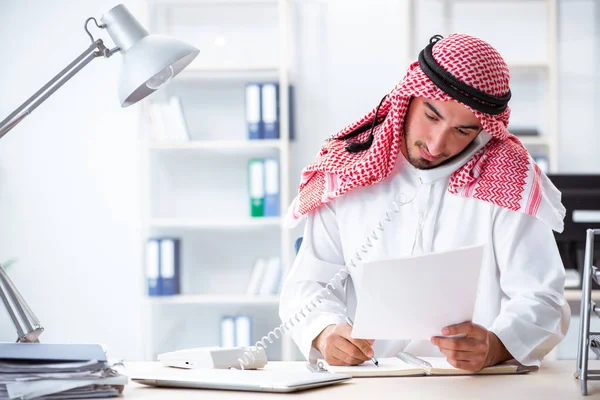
x=437 y=142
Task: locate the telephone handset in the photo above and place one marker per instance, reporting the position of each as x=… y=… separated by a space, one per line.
x=256 y=351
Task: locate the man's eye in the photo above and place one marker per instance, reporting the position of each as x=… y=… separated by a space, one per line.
x=464 y=133
x=430 y=117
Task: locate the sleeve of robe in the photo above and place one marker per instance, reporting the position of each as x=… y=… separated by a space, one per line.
x=320 y=257
x=534 y=314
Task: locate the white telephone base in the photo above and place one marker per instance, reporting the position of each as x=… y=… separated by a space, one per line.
x=215 y=357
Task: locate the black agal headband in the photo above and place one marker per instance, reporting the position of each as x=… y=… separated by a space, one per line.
x=457 y=89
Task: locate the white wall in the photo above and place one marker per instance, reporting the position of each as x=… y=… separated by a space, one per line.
x=348 y=55
x=579 y=50
x=68 y=181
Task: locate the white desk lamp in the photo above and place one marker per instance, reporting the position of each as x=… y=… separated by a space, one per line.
x=149 y=61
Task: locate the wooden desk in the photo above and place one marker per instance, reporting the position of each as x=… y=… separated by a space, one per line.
x=553 y=381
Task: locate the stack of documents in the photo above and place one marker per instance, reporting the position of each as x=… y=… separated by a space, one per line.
x=57 y=371
x=415 y=297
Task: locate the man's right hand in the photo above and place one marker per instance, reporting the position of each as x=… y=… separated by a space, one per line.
x=339 y=348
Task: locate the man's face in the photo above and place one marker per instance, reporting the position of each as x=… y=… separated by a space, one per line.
x=436 y=131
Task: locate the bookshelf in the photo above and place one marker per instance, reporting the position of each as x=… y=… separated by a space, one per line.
x=197 y=189
x=216 y=299
x=534 y=68
x=223 y=145
x=232 y=224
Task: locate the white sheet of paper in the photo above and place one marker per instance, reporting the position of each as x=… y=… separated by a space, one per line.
x=415 y=297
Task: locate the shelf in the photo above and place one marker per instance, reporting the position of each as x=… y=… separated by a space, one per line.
x=575 y=295
x=570 y=295
x=534 y=140
x=496 y=1
x=200 y=72
x=214 y=299
x=199 y=3
x=522 y=66
x=229 y=69
x=206 y=223
x=217 y=145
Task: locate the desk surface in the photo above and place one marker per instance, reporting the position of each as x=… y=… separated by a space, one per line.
x=553 y=381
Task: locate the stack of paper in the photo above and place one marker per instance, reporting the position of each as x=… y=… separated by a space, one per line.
x=36 y=371
x=415 y=297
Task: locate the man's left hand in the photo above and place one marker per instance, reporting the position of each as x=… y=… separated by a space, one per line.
x=479 y=347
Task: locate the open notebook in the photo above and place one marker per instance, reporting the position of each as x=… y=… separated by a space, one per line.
x=405 y=364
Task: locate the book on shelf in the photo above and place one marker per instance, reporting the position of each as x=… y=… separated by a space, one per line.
x=162 y=266
x=253 y=111
x=524 y=131
x=269 y=110
x=265 y=277
x=178 y=127
x=167 y=121
x=406 y=364
x=236 y=331
x=152 y=267
x=271 y=202
x=227 y=332
x=243 y=330
x=270 y=281
x=256 y=276
x=256 y=187
x=263 y=110
x=169 y=266
x=263 y=187
x=291 y=119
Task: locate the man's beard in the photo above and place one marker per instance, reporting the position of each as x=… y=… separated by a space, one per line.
x=421 y=163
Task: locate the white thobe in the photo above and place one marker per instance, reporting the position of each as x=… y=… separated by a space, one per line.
x=522 y=275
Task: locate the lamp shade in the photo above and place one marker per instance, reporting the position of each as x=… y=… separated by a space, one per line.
x=148 y=60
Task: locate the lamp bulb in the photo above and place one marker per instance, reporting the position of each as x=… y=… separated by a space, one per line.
x=161 y=78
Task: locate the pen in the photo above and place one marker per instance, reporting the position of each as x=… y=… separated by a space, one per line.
x=349 y=321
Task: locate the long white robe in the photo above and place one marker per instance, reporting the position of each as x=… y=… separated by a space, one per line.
x=523 y=301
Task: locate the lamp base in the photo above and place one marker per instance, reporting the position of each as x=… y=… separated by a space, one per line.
x=31 y=337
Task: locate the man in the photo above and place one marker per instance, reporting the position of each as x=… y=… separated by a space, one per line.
x=432 y=168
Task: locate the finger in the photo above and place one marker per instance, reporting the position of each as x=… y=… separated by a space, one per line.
x=464 y=365
x=458 y=355
x=466 y=328
x=348 y=352
x=463 y=327
x=364 y=346
x=345 y=358
x=331 y=360
x=462 y=344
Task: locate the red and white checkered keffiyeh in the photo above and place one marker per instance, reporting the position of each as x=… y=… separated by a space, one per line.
x=502 y=172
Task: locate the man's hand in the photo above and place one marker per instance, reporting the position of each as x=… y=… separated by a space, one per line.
x=338 y=348
x=478 y=349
